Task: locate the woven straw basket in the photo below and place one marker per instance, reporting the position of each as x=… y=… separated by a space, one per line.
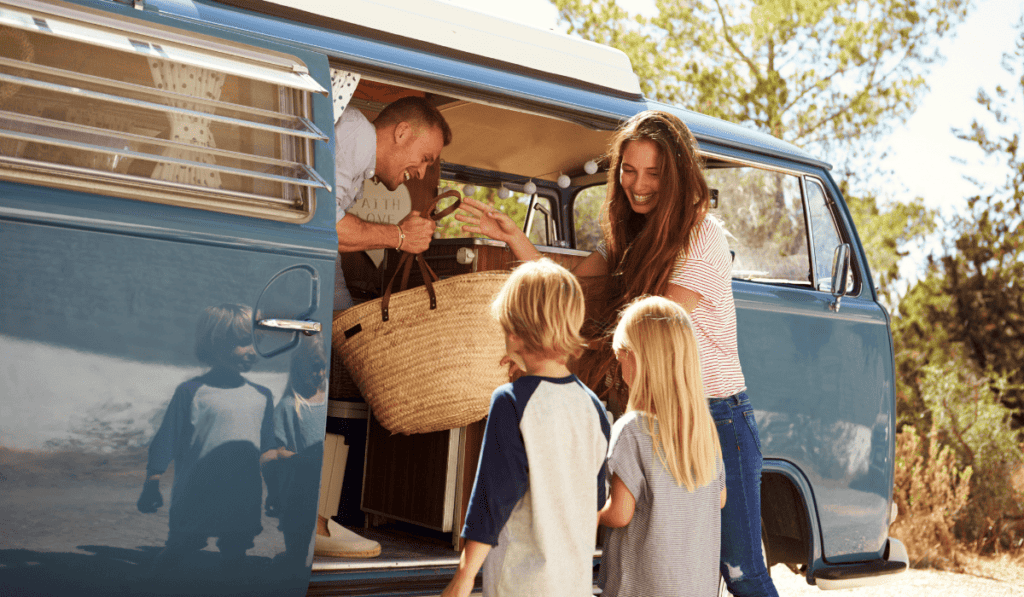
x=423 y=369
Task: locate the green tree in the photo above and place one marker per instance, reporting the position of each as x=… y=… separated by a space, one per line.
x=961 y=333
x=973 y=296
x=806 y=71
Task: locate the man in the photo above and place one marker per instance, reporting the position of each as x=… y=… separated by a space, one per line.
x=405 y=138
x=402 y=142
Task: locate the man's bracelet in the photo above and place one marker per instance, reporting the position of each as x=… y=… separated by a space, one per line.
x=401 y=238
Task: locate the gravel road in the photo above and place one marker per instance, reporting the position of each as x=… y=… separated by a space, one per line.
x=912 y=583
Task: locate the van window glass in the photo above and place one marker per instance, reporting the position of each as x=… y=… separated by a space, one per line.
x=763 y=216
x=586 y=217
x=762 y=213
x=541 y=226
x=516 y=206
x=125 y=112
x=824 y=235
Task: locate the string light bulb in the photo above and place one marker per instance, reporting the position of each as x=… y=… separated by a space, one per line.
x=504 y=193
x=590 y=167
x=564 y=181
x=530 y=188
x=469 y=190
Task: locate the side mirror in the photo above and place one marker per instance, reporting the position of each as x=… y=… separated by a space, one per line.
x=840 y=274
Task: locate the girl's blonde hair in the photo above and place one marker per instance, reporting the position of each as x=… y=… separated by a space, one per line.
x=668 y=388
x=308 y=370
x=542 y=303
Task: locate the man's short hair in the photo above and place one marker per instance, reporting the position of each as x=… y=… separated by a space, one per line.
x=417 y=111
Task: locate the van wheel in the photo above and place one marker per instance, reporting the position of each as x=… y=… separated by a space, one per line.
x=723 y=591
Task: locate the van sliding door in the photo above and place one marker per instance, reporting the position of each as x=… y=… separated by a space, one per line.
x=166 y=223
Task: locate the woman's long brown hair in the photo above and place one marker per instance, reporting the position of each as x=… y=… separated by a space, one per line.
x=642 y=249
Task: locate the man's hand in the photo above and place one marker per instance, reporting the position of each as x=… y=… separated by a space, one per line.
x=418 y=232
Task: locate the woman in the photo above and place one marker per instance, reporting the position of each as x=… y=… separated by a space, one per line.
x=659 y=240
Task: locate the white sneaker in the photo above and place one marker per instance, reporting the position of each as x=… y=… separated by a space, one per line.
x=343 y=543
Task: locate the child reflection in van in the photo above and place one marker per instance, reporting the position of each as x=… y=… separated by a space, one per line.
x=292 y=469
x=532 y=516
x=215 y=429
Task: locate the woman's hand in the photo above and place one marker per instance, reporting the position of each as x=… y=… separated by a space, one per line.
x=481 y=218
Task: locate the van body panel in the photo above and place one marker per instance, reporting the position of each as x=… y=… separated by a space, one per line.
x=100 y=298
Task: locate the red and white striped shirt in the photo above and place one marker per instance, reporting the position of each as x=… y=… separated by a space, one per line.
x=707 y=270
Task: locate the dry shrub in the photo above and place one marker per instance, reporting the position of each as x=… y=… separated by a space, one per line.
x=930 y=493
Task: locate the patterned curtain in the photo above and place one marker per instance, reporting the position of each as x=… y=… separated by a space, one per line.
x=192 y=130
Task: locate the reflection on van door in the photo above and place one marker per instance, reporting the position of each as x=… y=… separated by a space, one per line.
x=152 y=185
x=108 y=334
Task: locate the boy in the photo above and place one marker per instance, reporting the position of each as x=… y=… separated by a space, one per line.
x=531 y=521
x=215 y=429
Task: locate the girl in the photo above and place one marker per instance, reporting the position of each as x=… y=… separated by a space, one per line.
x=664 y=461
x=292 y=469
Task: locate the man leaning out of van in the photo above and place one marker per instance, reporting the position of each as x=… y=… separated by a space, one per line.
x=406 y=137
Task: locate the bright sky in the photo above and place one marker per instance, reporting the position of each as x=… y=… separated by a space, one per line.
x=922 y=149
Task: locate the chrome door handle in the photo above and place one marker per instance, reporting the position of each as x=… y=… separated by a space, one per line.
x=306 y=327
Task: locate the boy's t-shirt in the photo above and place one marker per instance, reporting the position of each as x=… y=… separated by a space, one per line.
x=214 y=431
x=539 y=484
x=671 y=546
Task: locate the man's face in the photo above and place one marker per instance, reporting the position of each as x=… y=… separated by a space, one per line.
x=414 y=149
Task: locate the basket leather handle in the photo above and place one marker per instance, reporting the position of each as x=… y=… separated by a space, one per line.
x=405 y=261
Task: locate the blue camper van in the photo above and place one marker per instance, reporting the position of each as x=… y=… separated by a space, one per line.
x=167 y=214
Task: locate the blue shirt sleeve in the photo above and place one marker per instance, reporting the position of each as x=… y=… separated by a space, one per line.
x=502 y=475
x=175 y=430
x=606 y=428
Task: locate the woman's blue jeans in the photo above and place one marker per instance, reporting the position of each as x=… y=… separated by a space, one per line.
x=742 y=563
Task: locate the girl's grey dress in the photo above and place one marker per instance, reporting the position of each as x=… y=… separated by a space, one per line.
x=671 y=546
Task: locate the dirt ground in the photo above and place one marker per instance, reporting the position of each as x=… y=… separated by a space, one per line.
x=994 y=579
x=73 y=512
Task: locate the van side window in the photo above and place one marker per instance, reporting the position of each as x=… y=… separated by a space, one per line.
x=538 y=222
x=763 y=215
x=586 y=217
x=122 y=108
x=825 y=236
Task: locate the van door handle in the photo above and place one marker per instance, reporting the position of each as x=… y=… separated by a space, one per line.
x=305 y=326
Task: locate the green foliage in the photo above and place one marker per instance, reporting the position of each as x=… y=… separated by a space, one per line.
x=515 y=206
x=930 y=491
x=972 y=298
x=885 y=234
x=967 y=417
x=807 y=71
x=586 y=210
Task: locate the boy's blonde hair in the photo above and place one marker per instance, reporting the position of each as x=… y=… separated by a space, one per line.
x=221 y=329
x=668 y=386
x=542 y=303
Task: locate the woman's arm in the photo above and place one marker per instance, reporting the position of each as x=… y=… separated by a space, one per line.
x=481 y=218
x=618 y=510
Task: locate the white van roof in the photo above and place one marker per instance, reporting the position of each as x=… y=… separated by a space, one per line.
x=482 y=35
